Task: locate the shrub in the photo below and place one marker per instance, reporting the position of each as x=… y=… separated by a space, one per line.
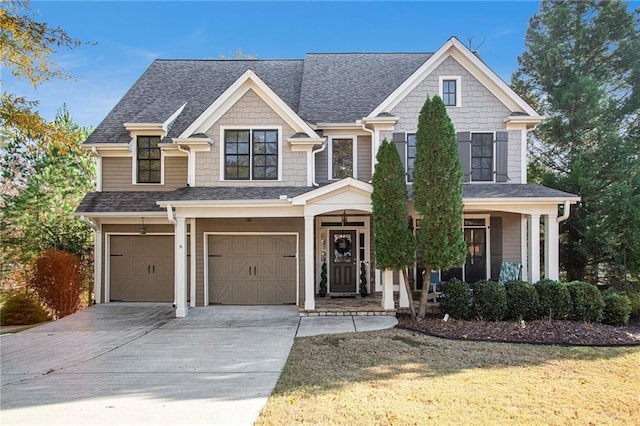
x=490 y=300
x=617 y=308
x=457 y=299
x=22 y=309
x=522 y=300
x=58 y=280
x=634 y=298
x=555 y=301
x=586 y=301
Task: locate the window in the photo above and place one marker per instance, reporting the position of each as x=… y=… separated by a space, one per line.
x=341 y=158
x=251 y=154
x=476 y=266
x=482 y=157
x=450 y=90
x=411 y=155
x=148 y=159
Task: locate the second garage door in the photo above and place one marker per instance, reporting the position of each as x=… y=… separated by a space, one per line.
x=252 y=269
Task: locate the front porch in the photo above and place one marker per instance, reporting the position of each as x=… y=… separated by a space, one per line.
x=360 y=306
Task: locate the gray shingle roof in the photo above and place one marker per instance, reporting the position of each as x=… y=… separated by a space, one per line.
x=340 y=87
x=168 y=84
x=512 y=190
x=344 y=87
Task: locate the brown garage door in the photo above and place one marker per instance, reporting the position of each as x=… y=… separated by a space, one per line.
x=252 y=269
x=141 y=268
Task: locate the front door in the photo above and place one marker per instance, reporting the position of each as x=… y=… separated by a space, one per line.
x=343 y=261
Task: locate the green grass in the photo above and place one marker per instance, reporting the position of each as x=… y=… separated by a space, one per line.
x=398 y=377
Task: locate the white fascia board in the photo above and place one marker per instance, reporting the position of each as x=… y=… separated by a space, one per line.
x=239 y=212
x=332 y=187
x=304 y=144
x=172 y=117
x=194 y=144
x=465 y=57
x=380 y=122
x=106 y=146
x=226 y=203
x=144 y=127
x=339 y=126
x=522 y=121
x=121 y=214
x=548 y=205
x=248 y=80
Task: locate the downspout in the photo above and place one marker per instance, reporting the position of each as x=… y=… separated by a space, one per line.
x=96 y=154
x=89 y=223
x=565 y=212
x=373 y=145
x=170 y=214
x=188 y=152
x=313 y=165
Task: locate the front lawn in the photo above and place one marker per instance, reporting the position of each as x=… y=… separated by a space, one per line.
x=399 y=377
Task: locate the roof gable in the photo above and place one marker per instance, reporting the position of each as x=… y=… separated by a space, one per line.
x=454 y=48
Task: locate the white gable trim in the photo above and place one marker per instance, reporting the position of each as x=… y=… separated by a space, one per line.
x=472 y=63
x=247 y=81
x=335 y=187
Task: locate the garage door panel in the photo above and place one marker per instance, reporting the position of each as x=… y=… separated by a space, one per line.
x=252 y=269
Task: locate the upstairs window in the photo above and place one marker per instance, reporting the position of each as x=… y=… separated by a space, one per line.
x=450 y=90
x=148 y=159
x=341 y=158
x=411 y=155
x=482 y=157
x=251 y=154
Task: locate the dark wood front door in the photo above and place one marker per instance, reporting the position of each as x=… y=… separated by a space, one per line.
x=343 y=261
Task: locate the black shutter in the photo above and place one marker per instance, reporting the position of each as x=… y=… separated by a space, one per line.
x=495 y=233
x=400 y=140
x=464 y=151
x=502 y=156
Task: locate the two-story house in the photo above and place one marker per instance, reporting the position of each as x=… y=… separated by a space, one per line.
x=233 y=181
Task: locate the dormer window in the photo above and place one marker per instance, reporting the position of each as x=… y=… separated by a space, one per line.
x=148 y=159
x=450 y=90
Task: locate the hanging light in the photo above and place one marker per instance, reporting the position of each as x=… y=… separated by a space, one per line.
x=143 y=229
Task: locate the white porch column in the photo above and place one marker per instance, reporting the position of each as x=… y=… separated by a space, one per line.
x=387 y=290
x=309 y=275
x=192 y=275
x=524 y=258
x=181 y=267
x=534 y=248
x=403 y=301
x=97 y=264
x=551 y=252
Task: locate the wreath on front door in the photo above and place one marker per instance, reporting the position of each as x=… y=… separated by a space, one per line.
x=342 y=245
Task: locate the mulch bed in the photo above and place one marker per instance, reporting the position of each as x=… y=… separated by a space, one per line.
x=535 y=332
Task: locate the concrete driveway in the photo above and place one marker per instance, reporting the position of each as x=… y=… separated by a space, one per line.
x=138 y=364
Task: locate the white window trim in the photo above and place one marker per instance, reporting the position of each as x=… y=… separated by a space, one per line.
x=251 y=129
x=354 y=156
x=458 y=80
x=134 y=167
x=493 y=160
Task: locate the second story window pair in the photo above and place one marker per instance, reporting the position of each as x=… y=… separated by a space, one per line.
x=251 y=154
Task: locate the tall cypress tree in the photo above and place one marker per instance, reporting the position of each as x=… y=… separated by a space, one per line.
x=393 y=240
x=437 y=192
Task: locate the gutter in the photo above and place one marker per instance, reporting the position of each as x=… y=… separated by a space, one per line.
x=565 y=212
x=89 y=223
x=313 y=164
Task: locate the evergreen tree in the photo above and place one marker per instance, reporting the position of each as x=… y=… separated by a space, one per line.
x=437 y=192
x=393 y=240
x=581 y=69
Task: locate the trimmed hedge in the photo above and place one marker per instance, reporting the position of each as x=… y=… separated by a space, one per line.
x=586 y=301
x=489 y=300
x=617 y=308
x=22 y=309
x=457 y=299
x=555 y=300
x=522 y=301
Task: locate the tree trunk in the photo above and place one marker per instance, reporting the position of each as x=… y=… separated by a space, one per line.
x=422 y=309
x=412 y=308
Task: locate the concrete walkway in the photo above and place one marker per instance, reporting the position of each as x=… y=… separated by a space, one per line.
x=138 y=364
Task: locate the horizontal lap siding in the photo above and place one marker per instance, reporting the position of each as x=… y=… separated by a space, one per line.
x=511 y=237
x=364 y=158
x=270 y=225
x=117 y=175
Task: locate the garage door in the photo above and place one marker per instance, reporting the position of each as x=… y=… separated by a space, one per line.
x=141 y=268
x=252 y=269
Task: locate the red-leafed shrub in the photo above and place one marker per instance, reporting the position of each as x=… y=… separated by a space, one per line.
x=58 y=280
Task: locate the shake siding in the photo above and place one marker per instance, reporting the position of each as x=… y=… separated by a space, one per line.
x=481 y=111
x=364 y=158
x=272 y=225
x=253 y=112
x=116 y=175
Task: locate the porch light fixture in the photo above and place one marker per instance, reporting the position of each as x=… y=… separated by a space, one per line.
x=344 y=218
x=143 y=229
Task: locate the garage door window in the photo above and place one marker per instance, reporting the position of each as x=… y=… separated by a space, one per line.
x=251 y=154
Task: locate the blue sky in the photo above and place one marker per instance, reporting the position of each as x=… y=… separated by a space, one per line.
x=128 y=36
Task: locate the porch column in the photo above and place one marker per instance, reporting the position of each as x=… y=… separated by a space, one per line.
x=309 y=275
x=551 y=252
x=181 y=267
x=387 y=290
x=192 y=250
x=524 y=258
x=534 y=248
x=97 y=264
x=403 y=301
